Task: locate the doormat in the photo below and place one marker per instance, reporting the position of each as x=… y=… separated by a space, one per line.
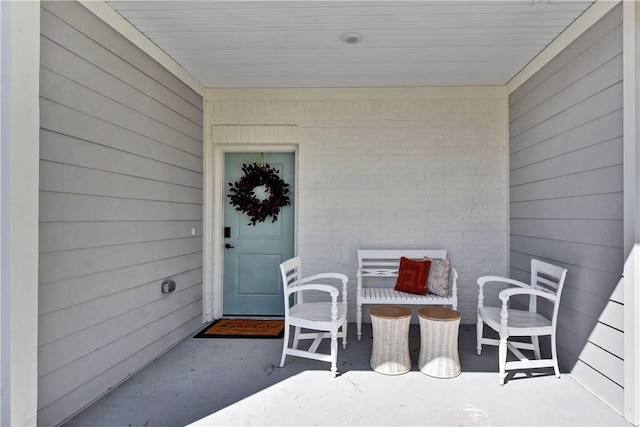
x=243 y=328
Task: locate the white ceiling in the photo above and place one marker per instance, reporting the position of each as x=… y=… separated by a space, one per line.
x=405 y=43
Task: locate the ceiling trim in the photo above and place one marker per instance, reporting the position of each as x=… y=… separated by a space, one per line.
x=420 y=92
x=122 y=26
x=590 y=16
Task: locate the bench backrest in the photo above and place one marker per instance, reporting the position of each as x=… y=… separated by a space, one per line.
x=385 y=263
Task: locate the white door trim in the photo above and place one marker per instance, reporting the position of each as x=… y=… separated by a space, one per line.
x=214 y=221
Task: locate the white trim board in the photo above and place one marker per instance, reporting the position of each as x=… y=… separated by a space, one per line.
x=568 y=36
x=213 y=94
x=631 y=155
x=122 y=26
x=19 y=205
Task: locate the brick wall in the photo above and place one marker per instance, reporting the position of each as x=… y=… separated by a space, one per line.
x=382 y=169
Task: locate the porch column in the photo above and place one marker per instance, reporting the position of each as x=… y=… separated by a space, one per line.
x=19 y=169
x=631 y=153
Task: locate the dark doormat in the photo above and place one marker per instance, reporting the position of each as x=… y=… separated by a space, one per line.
x=243 y=328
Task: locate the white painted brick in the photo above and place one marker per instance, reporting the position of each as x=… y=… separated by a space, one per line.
x=389 y=173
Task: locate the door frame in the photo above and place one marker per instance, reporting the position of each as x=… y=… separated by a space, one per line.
x=213 y=253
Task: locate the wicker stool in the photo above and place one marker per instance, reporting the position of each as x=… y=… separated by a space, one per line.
x=439 y=342
x=390 y=354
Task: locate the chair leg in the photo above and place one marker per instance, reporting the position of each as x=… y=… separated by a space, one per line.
x=554 y=356
x=359 y=321
x=479 y=332
x=285 y=343
x=296 y=337
x=334 y=352
x=344 y=335
x=502 y=359
x=536 y=347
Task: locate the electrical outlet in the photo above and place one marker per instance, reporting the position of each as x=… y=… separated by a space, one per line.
x=168 y=286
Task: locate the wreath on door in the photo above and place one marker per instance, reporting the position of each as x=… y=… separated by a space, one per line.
x=260 y=193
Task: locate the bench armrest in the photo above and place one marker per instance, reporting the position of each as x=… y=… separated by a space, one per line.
x=453 y=277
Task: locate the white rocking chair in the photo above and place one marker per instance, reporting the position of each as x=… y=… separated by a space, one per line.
x=328 y=318
x=547 y=281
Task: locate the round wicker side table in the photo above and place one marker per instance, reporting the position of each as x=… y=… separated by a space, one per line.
x=439 y=342
x=390 y=353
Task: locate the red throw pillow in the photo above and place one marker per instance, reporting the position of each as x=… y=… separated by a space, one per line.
x=413 y=276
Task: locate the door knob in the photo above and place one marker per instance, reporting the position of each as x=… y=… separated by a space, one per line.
x=228 y=246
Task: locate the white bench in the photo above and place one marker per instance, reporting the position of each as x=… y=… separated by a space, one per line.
x=384 y=264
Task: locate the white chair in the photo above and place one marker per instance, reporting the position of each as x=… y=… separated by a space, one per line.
x=329 y=319
x=547 y=281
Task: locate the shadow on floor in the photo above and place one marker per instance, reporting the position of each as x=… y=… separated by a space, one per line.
x=237 y=382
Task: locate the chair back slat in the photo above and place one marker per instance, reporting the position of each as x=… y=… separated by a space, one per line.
x=547 y=278
x=545 y=284
x=291 y=271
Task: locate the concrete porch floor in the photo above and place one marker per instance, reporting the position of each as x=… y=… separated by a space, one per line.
x=237 y=382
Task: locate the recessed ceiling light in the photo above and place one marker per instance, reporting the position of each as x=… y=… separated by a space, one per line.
x=351 y=37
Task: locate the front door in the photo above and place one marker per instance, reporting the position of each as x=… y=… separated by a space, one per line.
x=252 y=253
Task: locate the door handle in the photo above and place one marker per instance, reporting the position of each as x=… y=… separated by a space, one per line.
x=228 y=246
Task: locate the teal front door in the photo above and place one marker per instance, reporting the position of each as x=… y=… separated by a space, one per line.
x=252 y=253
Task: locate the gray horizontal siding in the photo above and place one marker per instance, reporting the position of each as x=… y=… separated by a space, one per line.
x=97 y=208
x=104 y=136
x=77 y=69
x=566 y=197
x=595 y=232
x=574 y=52
x=62 y=90
x=590 y=279
x=602 y=129
x=59 y=236
x=62 y=265
x=108 y=42
x=58 y=177
x=82 y=341
x=149 y=349
x=70 y=150
x=65 y=293
x=61 y=325
x=120 y=210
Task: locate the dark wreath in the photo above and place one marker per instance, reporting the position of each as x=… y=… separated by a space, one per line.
x=244 y=199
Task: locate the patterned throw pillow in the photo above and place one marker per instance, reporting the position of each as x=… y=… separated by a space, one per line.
x=438 y=282
x=412 y=276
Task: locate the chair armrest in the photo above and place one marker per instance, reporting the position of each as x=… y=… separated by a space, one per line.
x=332 y=290
x=505 y=294
x=336 y=276
x=484 y=279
